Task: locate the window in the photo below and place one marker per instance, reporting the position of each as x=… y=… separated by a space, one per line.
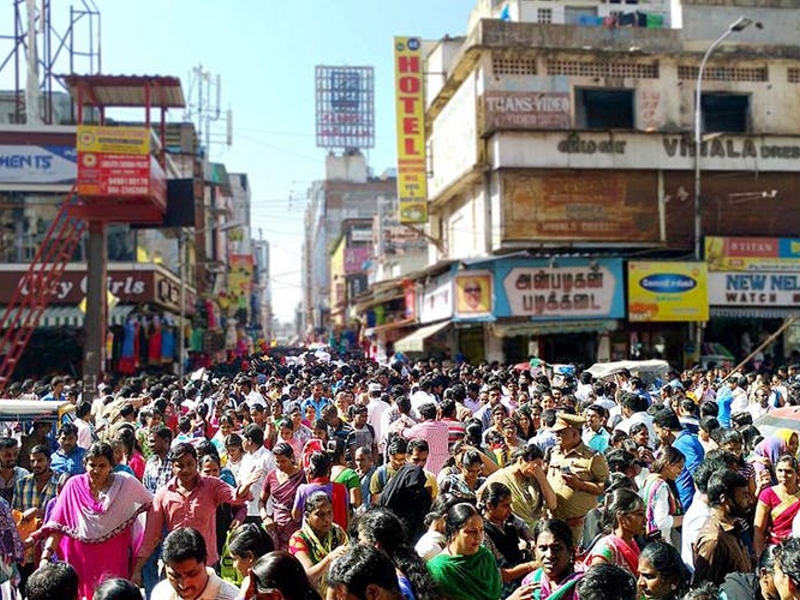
x=544 y=15
x=604 y=109
x=576 y=15
x=725 y=112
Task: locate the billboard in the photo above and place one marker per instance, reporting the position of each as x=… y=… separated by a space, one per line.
x=345 y=107
x=37 y=164
x=667 y=291
x=587 y=205
x=412 y=185
x=761 y=289
x=99 y=139
x=752 y=254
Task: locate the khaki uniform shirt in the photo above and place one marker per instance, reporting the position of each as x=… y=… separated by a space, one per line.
x=587 y=465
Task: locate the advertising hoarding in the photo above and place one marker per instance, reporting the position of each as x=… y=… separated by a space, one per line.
x=588 y=205
x=99 y=139
x=37 y=164
x=345 y=107
x=752 y=254
x=412 y=185
x=667 y=291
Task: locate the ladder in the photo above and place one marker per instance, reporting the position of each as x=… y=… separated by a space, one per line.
x=36 y=287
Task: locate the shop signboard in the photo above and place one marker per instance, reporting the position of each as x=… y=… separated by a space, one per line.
x=559 y=288
x=240 y=278
x=355 y=257
x=667 y=291
x=436 y=303
x=754 y=289
x=759 y=254
x=129 y=286
x=412 y=184
x=526 y=110
x=34 y=165
x=121 y=176
x=100 y=139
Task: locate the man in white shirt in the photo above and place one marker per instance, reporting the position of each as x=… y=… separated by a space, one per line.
x=256 y=459
x=85 y=430
x=762 y=405
x=634 y=410
x=699 y=510
x=188 y=576
x=251 y=397
x=422 y=396
x=375 y=409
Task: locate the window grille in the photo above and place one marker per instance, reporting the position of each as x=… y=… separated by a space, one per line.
x=615 y=69
x=722 y=73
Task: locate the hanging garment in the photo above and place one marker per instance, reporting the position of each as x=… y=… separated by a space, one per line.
x=154 y=343
x=168 y=344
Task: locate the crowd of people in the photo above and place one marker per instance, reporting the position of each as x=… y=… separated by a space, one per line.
x=323 y=478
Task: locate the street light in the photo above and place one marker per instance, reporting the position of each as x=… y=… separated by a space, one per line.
x=738 y=25
x=182 y=238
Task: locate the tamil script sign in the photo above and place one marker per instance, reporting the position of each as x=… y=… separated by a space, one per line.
x=551 y=290
x=526 y=110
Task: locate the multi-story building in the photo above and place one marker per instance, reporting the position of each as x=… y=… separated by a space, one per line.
x=561 y=149
x=347 y=192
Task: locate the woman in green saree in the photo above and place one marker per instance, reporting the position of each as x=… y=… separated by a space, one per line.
x=466 y=569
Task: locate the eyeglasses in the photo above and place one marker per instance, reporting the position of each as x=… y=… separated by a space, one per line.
x=472 y=290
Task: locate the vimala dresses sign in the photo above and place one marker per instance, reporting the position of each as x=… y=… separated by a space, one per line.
x=560 y=289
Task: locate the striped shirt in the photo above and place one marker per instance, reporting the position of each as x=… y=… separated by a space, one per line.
x=26 y=496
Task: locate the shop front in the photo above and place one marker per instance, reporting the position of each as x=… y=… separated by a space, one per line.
x=144 y=316
x=560 y=309
x=754 y=284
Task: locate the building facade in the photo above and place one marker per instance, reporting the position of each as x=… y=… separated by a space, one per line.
x=560 y=153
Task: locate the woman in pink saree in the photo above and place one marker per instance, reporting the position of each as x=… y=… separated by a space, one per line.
x=777 y=506
x=94 y=524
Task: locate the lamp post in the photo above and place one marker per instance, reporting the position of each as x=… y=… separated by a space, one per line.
x=183 y=237
x=738 y=25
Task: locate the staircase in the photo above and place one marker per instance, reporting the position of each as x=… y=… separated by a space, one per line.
x=33 y=292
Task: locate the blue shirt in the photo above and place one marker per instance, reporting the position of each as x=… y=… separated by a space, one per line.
x=724 y=400
x=318 y=406
x=71 y=463
x=691 y=448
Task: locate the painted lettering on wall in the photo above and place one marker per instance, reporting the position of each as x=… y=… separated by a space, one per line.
x=575 y=145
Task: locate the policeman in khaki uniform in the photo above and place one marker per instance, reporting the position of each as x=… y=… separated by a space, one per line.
x=576 y=473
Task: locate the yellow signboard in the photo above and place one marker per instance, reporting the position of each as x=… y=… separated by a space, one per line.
x=667 y=291
x=726 y=254
x=99 y=139
x=412 y=184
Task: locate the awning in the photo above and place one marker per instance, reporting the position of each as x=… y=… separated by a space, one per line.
x=415 y=342
x=72 y=316
x=753 y=312
x=536 y=328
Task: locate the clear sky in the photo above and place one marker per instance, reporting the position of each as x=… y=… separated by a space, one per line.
x=265 y=51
